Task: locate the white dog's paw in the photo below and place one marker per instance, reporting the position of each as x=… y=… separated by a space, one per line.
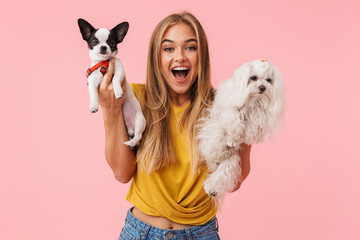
x=211 y=186
x=230 y=142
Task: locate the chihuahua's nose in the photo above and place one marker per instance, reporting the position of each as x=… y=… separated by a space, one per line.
x=262 y=88
x=103 y=49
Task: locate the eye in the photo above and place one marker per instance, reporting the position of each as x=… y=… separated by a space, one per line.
x=112 y=43
x=168 y=49
x=94 y=42
x=254 y=78
x=269 y=80
x=191 y=48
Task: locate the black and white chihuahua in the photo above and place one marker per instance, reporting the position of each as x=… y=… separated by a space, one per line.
x=102 y=47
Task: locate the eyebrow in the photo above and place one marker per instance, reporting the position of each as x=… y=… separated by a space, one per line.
x=170 y=41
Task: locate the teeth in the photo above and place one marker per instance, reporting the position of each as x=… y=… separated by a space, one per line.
x=180 y=68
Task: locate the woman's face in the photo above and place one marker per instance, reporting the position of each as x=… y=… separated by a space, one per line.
x=179 y=60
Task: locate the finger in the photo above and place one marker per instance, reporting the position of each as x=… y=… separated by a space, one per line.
x=109 y=73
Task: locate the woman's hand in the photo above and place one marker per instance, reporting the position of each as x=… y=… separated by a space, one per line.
x=110 y=105
x=245 y=164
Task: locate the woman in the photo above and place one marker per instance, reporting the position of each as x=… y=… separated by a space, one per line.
x=166 y=171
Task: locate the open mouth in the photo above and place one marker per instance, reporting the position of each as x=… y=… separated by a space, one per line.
x=180 y=73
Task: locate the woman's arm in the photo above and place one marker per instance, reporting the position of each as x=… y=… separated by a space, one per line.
x=120 y=157
x=245 y=164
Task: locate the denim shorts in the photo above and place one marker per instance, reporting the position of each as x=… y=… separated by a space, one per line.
x=135 y=229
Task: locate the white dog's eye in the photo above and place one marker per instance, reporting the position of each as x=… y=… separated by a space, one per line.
x=254 y=78
x=269 y=80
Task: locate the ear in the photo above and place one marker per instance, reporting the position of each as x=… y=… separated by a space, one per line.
x=85 y=28
x=241 y=78
x=120 y=31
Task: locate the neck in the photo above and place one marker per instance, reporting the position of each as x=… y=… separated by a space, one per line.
x=180 y=100
x=94 y=62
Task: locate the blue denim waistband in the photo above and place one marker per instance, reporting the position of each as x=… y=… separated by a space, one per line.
x=186 y=233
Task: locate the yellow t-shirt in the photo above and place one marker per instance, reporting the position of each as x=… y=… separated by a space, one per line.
x=172 y=192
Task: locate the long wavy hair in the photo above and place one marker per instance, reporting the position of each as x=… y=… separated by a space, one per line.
x=155 y=150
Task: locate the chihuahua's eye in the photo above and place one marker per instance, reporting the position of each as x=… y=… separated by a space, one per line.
x=254 y=78
x=269 y=80
x=94 y=42
x=112 y=43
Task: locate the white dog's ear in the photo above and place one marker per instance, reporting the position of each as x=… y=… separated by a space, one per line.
x=279 y=93
x=85 y=28
x=241 y=79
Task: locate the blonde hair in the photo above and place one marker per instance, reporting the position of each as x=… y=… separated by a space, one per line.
x=155 y=150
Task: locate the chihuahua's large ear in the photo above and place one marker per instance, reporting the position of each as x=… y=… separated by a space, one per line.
x=120 y=31
x=85 y=28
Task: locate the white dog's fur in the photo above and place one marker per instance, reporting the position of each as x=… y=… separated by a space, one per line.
x=134 y=119
x=245 y=110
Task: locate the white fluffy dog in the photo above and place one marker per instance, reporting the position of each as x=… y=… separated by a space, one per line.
x=246 y=109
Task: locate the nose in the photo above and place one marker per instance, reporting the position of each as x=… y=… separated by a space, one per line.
x=262 y=88
x=103 y=49
x=180 y=56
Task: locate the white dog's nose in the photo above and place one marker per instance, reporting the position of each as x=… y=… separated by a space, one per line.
x=262 y=88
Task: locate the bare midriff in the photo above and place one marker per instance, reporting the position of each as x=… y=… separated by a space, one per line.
x=159 y=222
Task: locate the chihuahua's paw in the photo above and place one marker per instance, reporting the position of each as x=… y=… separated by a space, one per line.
x=131 y=144
x=118 y=94
x=93 y=109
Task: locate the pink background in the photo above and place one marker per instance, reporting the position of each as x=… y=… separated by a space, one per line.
x=54 y=180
